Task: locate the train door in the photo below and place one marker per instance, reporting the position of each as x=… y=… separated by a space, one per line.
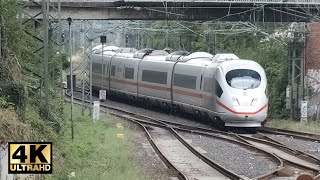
x=128 y=82
x=186 y=84
x=207 y=101
x=116 y=73
x=106 y=75
x=96 y=71
x=111 y=70
x=103 y=79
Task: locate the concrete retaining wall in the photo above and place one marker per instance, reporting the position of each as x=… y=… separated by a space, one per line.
x=4 y=164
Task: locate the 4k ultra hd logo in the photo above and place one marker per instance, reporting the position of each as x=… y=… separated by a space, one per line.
x=30 y=157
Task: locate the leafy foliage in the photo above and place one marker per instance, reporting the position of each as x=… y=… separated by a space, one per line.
x=21 y=72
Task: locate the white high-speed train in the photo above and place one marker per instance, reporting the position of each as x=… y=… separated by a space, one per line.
x=221 y=87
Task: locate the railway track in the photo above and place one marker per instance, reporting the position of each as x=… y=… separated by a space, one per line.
x=282 y=153
x=205 y=168
x=187 y=159
x=175 y=129
x=163 y=157
x=146 y=121
x=290 y=133
x=291 y=156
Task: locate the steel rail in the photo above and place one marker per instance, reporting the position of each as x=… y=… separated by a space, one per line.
x=205 y=159
x=297 y=134
x=224 y=138
x=269 y=141
x=172 y=129
x=268 y=175
x=163 y=157
x=301 y=155
x=305 y=156
x=316 y=159
x=191 y=129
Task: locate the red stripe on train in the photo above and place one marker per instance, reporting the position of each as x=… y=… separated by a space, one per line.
x=160 y=88
x=235 y=112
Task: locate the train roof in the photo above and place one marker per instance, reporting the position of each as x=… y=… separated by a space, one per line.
x=98 y=49
x=225 y=57
x=148 y=54
x=241 y=64
x=126 y=50
x=200 y=58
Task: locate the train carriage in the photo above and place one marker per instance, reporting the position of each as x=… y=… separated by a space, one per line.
x=154 y=78
x=217 y=87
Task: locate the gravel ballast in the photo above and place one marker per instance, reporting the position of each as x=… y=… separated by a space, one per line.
x=310 y=147
x=232 y=156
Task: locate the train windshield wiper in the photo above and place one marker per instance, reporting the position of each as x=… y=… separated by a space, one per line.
x=254 y=82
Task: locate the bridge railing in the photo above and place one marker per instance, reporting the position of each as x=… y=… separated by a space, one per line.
x=292 y=2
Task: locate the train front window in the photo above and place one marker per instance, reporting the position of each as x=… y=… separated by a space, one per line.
x=243 y=79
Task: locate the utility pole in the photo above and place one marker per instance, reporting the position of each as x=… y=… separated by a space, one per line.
x=167 y=34
x=297 y=70
x=87 y=71
x=60 y=46
x=103 y=40
x=71 y=77
x=45 y=11
x=167 y=38
x=0 y=37
x=47 y=7
x=127 y=40
x=215 y=44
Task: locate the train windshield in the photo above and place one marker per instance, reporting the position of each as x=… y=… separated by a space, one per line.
x=243 y=78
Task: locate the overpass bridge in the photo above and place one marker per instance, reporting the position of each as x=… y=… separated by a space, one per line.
x=223 y=10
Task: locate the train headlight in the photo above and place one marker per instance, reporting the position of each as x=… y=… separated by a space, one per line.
x=235 y=102
x=254 y=101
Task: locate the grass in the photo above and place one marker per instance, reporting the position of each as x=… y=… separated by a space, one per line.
x=95 y=152
x=311 y=126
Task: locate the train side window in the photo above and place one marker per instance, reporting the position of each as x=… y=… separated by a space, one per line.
x=104 y=69
x=107 y=71
x=128 y=73
x=208 y=84
x=154 y=76
x=218 y=89
x=185 y=81
x=96 y=68
x=113 y=70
